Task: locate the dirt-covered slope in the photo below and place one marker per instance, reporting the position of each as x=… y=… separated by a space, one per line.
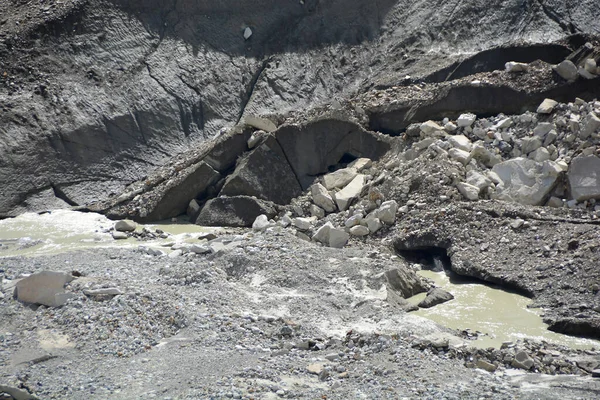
x=96 y=94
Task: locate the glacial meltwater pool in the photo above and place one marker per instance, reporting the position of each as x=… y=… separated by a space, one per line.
x=500 y=315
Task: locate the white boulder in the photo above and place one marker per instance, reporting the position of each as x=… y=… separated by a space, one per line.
x=339 y=178
x=465 y=120
x=338 y=238
x=460 y=142
x=468 y=191
x=344 y=197
x=260 y=223
x=525 y=181
x=547 y=106
x=584 y=178
x=386 y=213
x=567 y=70
x=430 y=127
x=322 y=198
x=513 y=66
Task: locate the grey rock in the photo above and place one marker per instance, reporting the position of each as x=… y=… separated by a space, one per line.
x=46 y=288
x=322 y=198
x=338 y=238
x=592 y=125
x=525 y=181
x=260 y=223
x=339 y=178
x=103 y=292
x=547 y=106
x=522 y=360
x=584 y=178
x=350 y=192
x=119 y=235
x=175 y=195
x=405 y=282
x=234 y=211
x=224 y=153
x=193 y=210
x=513 y=66
x=567 y=70
x=468 y=191
x=16 y=393
x=125 y=226
x=434 y=297
x=359 y=230
x=263 y=173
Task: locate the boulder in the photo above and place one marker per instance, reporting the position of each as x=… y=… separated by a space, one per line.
x=483 y=155
x=344 y=197
x=386 y=213
x=547 y=106
x=430 y=127
x=468 y=191
x=322 y=198
x=260 y=223
x=405 y=282
x=125 y=226
x=522 y=360
x=302 y=224
x=567 y=70
x=584 y=178
x=359 y=230
x=265 y=174
x=434 y=297
x=46 y=288
x=374 y=224
x=263 y=124
x=339 y=178
x=460 y=155
x=224 y=153
x=465 y=120
x=529 y=144
x=592 y=124
x=361 y=163
x=338 y=238
x=525 y=181
x=513 y=66
x=238 y=211
x=460 y=142
x=322 y=234
x=313 y=147
x=478 y=180
x=175 y=197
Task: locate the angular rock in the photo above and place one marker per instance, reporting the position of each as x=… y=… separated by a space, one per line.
x=434 y=297
x=468 y=191
x=374 y=224
x=386 y=213
x=46 y=288
x=353 y=221
x=193 y=210
x=265 y=174
x=313 y=147
x=264 y=124
x=405 y=282
x=529 y=144
x=584 y=178
x=461 y=142
x=430 y=127
x=592 y=124
x=103 y=292
x=359 y=230
x=119 y=235
x=513 y=66
x=484 y=155
x=176 y=196
x=339 y=178
x=338 y=238
x=543 y=128
x=465 y=120
x=322 y=198
x=344 y=197
x=322 y=234
x=361 y=163
x=540 y=155
x=522 y=360
x=302 y=224
x=460 y=155
x=316 y=211
x=125 y=226
x=486 y=366
x=478 y=180
x=547 y=106
x=525 y=181
x=260 y=223
x=238 y=211
x=226 y=150
x=247 y=33
x=567 y=70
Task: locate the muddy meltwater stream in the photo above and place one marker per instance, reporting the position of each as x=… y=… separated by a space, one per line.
x=501 y=316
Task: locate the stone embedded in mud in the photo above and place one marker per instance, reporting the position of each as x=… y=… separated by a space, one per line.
x=247 y=33
x=125 y=226
x=513 y=66
x=352 y=191
x=238 y=211
x=434 y=297
x=547 y=106
x=525 y=181
x=567 y=70
x=46 y=288
x=584 y=178
x=322 y=198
